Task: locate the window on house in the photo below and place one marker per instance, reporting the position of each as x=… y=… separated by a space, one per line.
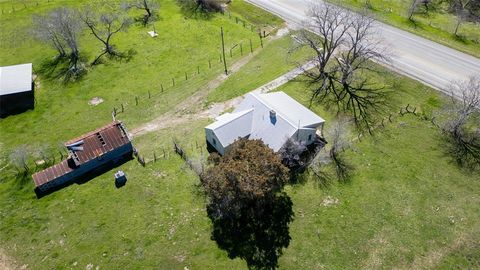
x=214 y=142
x=310 y=137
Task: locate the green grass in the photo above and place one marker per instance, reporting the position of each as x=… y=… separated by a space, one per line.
x=257 y=16
x=62 y=111
x=438 y=25
x=407 y=205
x=276 y=59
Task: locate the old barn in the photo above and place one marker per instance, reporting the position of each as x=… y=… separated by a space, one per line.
x=16 y=89
x=91 y=152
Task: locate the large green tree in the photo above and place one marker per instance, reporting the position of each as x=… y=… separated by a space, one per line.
x=249 y=210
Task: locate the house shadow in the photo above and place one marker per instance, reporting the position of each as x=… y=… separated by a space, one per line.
x=85 y=178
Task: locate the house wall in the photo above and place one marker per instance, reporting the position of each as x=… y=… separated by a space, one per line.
x=214 y=142
x=16 y=103
x=306 y=135
x=107 y=159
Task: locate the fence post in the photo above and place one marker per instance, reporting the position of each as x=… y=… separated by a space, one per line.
x=149 y=96
x=136 y=100
x=241 y=49
x=251 y=46
x=122 y=107
x=198 y=69
x=161 y=86
x=209 y=64
x=173 y=81
x=186 y=76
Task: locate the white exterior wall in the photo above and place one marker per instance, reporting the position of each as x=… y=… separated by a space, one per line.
x=214 y=141
x=306 y=135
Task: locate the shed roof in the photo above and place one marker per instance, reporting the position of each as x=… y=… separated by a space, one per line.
x=98 y=142
x=88 y=146
x=15 y=79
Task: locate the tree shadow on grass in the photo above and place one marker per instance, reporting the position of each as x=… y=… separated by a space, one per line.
x=255 y=234
x=59 y=68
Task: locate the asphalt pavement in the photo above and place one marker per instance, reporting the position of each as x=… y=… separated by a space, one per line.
x=424 y=60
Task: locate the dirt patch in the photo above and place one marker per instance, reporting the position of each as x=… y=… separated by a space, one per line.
x=6 y=263
x=330 y=201
x=95 y=101
x=193 y=108
x=431 y=259
x=377 y=247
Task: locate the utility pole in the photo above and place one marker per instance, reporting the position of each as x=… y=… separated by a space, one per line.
x=223 y=52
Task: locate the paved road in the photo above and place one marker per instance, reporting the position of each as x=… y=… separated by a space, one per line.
x=429 y=62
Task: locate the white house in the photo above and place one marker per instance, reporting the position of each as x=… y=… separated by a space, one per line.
x=273 y=118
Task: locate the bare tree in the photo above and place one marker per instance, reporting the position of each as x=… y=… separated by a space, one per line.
x=338 y=136
x=47 y=31
x=202 y=6
x=412 y=8
x=460 y=122
x=460 y=8
x=291 y=154
x=345 y=48
x=60 y=28
x=357 y=93
x=18 y=158
x=324 y=34
x=103 y=27
x=149 y=6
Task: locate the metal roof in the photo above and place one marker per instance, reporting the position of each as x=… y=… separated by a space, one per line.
x=15 y=79
x=291 y=109
x=99 y=142
x=87 y=147
x=273 y=118
x=231 y=126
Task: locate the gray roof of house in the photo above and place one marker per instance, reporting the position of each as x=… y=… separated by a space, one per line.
x=252 y=117
x=15 y=79
x=291 y=109
x=231 y=126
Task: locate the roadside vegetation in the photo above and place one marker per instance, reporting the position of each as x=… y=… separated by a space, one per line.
x=440 y=21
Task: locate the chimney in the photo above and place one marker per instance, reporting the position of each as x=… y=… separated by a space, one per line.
x=273 y=114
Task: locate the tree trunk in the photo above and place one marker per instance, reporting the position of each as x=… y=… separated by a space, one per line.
x=459 y=21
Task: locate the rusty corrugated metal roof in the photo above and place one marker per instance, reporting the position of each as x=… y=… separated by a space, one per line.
x=51 y=173
x=95 y=144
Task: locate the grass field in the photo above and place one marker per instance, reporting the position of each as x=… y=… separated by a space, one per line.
x=407 y=205
x=276 y=59
x=62 y=111
x=437 y=25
